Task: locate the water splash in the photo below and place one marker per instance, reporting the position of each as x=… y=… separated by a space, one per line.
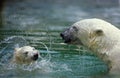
x=9 y=44
x=48 y=52
x=43 y=66
x=7 y=47
x=15 y=40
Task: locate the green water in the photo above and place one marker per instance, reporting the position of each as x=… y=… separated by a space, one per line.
x=40 y=22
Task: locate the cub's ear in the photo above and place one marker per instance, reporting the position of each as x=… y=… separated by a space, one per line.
x=99 y=32
x=17 y=49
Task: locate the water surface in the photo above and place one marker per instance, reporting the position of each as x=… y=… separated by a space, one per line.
x=38 y=23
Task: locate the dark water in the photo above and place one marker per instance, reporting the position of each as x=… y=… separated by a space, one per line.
x=38 y=23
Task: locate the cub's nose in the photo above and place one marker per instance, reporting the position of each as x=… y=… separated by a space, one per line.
x=35 y=56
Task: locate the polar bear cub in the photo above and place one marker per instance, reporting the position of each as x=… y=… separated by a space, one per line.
x=99 y=36
x=25 y=55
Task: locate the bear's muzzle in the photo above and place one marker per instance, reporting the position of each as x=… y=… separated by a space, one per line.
x=35 y=57
x=66 y=39
x=70 y=38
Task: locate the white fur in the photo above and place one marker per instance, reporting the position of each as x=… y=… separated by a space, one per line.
x=107 y=44
x=23 y=55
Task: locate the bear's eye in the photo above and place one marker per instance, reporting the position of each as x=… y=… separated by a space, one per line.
x=75 y=28
x=99 y=32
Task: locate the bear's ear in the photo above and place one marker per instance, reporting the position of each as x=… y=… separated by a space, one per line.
x=99 y=32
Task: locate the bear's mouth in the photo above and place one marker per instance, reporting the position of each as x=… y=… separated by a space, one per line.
x=66 y=39
x=71 y=40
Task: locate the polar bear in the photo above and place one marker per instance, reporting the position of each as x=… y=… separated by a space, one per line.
x=99 y=36
x=25 y=55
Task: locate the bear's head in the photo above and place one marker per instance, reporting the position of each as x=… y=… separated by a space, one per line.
x=95 y=34
x=25 y=55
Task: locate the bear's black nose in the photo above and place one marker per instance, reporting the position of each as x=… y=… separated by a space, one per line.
x=66 y=39
x=35 y=57
x=62 y=35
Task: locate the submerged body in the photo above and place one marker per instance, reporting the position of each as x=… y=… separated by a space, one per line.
x=100 y=37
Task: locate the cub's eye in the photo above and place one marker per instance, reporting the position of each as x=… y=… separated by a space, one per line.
x=26 y=53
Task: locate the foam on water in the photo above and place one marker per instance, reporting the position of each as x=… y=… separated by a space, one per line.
x=43 y=66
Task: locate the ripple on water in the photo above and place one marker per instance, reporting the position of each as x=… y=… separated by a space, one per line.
x=52 y=63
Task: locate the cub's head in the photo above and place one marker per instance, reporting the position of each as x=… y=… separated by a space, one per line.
x=25 y=55
x=92 y=33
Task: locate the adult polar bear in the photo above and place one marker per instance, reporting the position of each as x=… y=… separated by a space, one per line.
x=100 y=37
